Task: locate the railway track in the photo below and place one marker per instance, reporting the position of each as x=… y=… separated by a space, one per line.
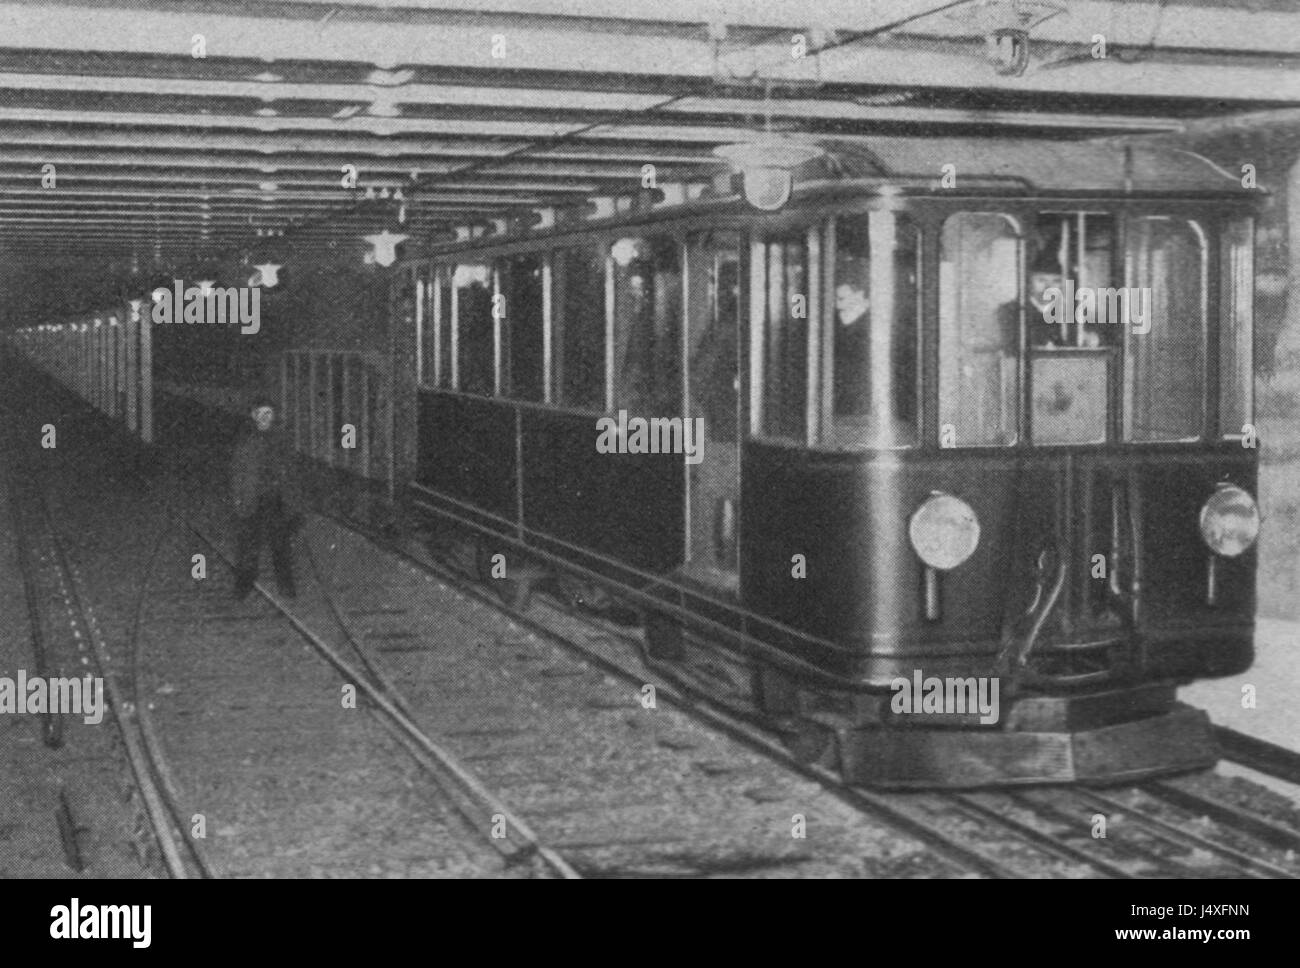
x=1259 y=755
x=274 y=738
x=955 y=830
x=604 y=832
x=974 y=834
x=43 y=552
x=396 y=714
x=478 y=800
x=1044 y=823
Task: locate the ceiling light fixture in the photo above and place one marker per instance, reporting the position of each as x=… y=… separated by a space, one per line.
x=267 y=275
x=384 y=247
x=766 y=162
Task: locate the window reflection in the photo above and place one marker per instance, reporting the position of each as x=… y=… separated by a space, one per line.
x=441 y=312
x=647 y=320
x=472 y=291
x=979 y=269
x=1235 y=335
x=1165 y=363
x=785 y=377
x=578 y=315
x=714 y=339
x=520 y=279
x=713 y=354
x=875 y=332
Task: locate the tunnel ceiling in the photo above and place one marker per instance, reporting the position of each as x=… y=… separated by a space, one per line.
x=199 y=127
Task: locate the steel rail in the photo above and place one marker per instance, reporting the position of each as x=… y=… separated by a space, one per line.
x=445 y=760
x=159 y=815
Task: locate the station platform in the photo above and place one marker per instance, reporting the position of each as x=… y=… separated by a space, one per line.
x=1274 y=680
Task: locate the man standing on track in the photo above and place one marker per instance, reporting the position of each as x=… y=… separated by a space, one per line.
x=267 y=501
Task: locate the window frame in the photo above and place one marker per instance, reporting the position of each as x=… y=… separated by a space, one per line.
x=823 y=342
x=1115 y=356
x=556 y=324
x=928 y=215
x=1224 y=319
x=1019 y=217
x=1208 y=229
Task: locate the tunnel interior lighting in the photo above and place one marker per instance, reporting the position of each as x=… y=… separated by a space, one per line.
x=384 y=247
x=268 y=274
x=766 y=165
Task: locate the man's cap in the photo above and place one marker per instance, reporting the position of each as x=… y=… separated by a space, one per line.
x=852 y=271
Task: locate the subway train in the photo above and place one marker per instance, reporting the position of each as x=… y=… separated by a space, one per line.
x=942 y=460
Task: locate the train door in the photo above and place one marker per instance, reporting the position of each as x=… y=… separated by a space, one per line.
x=712 y=370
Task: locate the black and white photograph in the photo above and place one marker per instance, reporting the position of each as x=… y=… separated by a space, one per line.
x=675 y=440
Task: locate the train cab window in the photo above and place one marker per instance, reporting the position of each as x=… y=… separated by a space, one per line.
x=472 y=309
x=873 y=338
x=1073 y=325
x=1073 y=301
x=782 y=274
x=1164 y=362
x=522 y=360
x=578 y=318
x=1236 y=362
x=647 y=326
x=979 y=329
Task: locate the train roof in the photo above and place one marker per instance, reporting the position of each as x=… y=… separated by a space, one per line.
x=1033 y=166
x=994 y=167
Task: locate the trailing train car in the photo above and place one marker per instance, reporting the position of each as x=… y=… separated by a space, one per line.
x=916 y=445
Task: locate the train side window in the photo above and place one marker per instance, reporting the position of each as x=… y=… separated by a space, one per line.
x=578 y=318
x=873 y=343
x=647 y=326
x=979 y=329
x=520 y=279
x=472 y=308
x=714 y=340
x=440 y=316
x=1164 y=364
x=1236 y=341
x=785 y=343
x=425 y=294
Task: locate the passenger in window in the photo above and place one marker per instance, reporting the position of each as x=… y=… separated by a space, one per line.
x=852 y=339
x=1043 y=276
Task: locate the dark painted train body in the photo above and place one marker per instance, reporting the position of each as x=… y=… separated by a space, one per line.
x=1082 y=443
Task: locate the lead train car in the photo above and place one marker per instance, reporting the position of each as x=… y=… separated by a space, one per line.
x=972 y=488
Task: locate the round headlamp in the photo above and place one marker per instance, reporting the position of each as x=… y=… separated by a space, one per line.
x=944 y=531
x=1230 y=521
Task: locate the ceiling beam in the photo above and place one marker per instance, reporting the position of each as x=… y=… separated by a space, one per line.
x=561 y=48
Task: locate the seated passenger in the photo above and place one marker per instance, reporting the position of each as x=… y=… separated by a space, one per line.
x=858 y=419
x=1043 y=332
x=852 y=343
